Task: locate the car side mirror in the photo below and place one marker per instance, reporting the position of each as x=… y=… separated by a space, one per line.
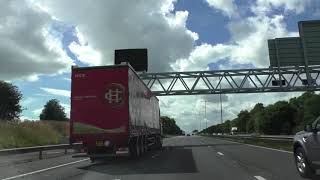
x=308 y=128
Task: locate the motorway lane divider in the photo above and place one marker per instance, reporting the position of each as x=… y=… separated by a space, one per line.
x=40 y=149
x=264 y=137
x=274 y=142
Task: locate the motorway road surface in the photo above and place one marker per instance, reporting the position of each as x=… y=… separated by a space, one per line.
x=189 y=157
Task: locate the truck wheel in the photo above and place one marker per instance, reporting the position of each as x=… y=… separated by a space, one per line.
x=145 y=145
x=138 y=149
x=302 y=164
x=134 y=149
x=141 y=143
x=159 y=143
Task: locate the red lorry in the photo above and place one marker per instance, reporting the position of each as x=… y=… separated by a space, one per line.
x=113 y=112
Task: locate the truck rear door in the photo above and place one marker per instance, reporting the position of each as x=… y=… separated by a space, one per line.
x=99 y=101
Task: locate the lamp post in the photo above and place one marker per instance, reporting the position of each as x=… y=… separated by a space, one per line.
x=205 y=112
x=220 y=105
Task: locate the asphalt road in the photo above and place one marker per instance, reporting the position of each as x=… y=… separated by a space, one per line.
x=183 y=158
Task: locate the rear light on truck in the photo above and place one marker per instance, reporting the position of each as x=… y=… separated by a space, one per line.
x=107 y=143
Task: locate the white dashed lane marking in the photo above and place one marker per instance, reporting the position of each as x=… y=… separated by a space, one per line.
x=220 y=153
x=155 y=155
x=259 y=178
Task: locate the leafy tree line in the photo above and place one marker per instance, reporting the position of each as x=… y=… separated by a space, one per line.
x=282 y=117
x=169 y=126
x=52 y=110
x=10 y=108
x=10 y=97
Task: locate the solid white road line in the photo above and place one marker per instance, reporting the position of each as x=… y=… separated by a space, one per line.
x=279 y=150
x=259 y=178
x=54 y=152
x=46 y=169
x=220 y=153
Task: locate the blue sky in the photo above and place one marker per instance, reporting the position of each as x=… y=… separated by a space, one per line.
x=203 y=34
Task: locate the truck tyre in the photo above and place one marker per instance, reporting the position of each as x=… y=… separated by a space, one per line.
x=302 y=163
x=134 y=148
x=145 y=144
x=141 y=143
x=138 y=149
x=159 y=143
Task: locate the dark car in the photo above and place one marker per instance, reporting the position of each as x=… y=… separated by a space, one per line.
x=307 y=149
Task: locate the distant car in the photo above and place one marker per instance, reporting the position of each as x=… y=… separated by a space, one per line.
x=306 y=148
x=188 y=134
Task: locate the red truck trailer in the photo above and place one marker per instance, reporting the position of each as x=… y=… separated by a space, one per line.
x=113 y=112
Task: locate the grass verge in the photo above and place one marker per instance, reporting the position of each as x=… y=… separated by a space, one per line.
x=31 y=133
x=276 y=144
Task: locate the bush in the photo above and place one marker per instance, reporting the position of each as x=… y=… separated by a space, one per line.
x=31 y=133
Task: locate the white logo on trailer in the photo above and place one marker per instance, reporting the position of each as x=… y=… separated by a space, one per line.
x=113 y=95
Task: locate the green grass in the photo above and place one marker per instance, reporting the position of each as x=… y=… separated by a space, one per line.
x=276 y=144
x=31 y=133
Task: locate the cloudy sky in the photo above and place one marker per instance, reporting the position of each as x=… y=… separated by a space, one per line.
x=41 y=39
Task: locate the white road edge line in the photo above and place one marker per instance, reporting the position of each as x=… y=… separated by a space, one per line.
x=270 y=148
x=46 y=169
x=55 y=152
x=259 y=178
x=260 y=147
x=220 y=153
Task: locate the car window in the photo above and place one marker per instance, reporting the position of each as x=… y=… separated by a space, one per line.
x=318 y=126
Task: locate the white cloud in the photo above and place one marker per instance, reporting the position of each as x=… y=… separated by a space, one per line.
x=228 y=7
x=27 y=49
x=66 y=109
x=201 y=56
x=110 y=25
x=67 y=79
x=86 y=54
x=23 y=118
x=58 y=92
x=36 y=112
x=27 y=101
x=266 y=6
x=248 y=44
x=33 y=77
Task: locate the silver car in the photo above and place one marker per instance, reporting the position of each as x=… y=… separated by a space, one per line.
x=306 y=149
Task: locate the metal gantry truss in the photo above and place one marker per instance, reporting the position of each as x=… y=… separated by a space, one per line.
x=288 y=79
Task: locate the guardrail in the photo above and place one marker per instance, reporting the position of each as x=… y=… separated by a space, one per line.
x=40 y=149
x=266 y=137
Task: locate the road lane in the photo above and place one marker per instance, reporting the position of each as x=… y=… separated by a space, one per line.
x=271 y=164
x=185 y=158
x=24 y=163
